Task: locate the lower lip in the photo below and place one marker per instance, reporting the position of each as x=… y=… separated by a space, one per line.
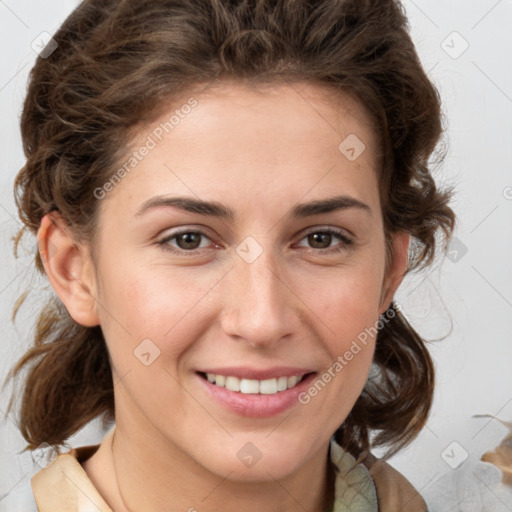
x=256 y=405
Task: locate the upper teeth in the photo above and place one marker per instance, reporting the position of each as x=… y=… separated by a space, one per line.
x=265 y=387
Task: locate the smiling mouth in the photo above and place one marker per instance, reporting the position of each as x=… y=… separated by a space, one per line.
x=253 y=386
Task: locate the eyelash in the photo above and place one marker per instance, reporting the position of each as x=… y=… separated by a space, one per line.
x=346 y=242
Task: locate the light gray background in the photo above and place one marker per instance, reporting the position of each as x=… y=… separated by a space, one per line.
x=467 y=296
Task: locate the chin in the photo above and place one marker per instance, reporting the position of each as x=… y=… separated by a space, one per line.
x=276 y=468
x=257 y=461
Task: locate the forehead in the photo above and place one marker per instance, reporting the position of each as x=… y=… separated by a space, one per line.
x=266 y=142
x=309 y=111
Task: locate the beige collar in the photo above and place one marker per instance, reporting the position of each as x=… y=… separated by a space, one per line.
x=64 y=486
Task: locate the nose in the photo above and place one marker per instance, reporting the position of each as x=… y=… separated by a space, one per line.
x=260 y=306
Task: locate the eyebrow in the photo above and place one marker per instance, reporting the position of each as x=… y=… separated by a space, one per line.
x=216 y=209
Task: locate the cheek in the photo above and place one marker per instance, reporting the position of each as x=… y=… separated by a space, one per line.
x=347 y=306
x=346 y=301
x=154 y=304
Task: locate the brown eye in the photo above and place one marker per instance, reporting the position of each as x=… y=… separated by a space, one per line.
x=320 y=240
x=184 y=242
x=325 y=240
x=189 y=240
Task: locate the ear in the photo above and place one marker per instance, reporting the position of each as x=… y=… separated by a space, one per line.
x=396 y=268
x=69 y=268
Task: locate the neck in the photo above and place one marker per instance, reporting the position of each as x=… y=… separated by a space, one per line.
x=154 y=476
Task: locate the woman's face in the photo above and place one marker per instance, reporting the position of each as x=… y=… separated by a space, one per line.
x=215 y=256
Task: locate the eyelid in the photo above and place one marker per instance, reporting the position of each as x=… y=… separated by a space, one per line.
x=347 y=239
x=344 y=233
x=171 y=235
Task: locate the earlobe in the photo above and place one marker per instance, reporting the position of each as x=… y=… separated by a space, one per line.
x=399 y=260
x=69 y=269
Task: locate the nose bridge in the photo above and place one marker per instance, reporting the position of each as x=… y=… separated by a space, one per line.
x=259 y=304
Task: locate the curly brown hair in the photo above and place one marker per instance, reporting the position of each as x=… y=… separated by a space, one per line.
x=118 y=61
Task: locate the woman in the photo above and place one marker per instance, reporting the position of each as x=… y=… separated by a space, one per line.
x=226 y=197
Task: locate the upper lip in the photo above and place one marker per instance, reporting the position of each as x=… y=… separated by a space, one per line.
x=245 y=372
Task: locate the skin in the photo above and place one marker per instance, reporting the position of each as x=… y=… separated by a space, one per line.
x=259 y=152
